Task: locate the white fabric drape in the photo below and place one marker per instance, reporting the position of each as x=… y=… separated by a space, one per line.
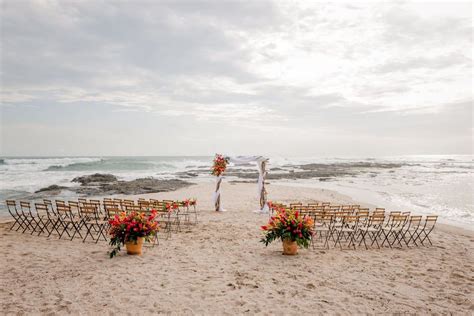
x=217 y=194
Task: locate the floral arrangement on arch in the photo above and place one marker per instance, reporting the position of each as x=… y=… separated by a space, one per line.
x=128 y=228
x=289 y=225
x=220 y=164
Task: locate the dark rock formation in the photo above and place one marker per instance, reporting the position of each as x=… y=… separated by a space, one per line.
x=90 y=185
x=52 y=189
x=95 y=178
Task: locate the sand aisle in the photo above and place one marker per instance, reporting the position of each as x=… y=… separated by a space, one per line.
x=220 y=267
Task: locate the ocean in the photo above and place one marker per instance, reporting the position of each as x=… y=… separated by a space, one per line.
x=440 y=185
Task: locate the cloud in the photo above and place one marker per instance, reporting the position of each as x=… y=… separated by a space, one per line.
x=274 y=64
x=421 y=62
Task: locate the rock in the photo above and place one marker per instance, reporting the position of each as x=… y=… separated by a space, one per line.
x=137 y=186
x=51 y=189
x=95 y=178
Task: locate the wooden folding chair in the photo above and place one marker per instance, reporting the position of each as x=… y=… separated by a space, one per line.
x=428 y=227
x=371 y=229
x=394 y=228
x=17 y=216
x=322 y=227
x=30 y=220
x=67 y=222
x=347 y=230
x=411 y=230
x=42 y=217
x=92 y=222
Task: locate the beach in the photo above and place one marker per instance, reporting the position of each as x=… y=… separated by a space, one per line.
x=219 y=267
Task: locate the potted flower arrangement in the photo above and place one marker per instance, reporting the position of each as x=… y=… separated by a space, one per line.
x=132 y=230
x=291 y=227
x=220 y=164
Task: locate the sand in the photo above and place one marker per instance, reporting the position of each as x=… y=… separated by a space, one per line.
x=219 y=267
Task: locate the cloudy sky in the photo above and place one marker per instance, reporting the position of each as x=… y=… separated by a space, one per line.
x=256 y=77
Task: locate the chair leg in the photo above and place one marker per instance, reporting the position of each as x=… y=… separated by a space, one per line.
x=386 y=238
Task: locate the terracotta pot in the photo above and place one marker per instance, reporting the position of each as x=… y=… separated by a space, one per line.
x=134 y=248
x=290 y=247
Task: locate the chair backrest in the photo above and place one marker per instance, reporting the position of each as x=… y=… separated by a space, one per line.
x=392 y=215
x=398 y=220
x=132 y=208
x=430 y=221
x=112 y=211
x=350 y=220
x=11 y=206
x=89 y=210
x=11 y=203
x=25 y=206
x=378 y=212
x=363 y=215
x=377 y=219
x=415 y=221
x=322 y=218
x=126 y=203
x=63 y=210
x=110 y=204
x=59 y=202
x=73 y=205
x=143 y=203
x=41 y=208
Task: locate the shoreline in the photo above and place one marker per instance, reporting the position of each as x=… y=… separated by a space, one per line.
x=443 y=224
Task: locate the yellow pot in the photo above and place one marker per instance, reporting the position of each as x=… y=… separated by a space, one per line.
x=290 y=248
x=134 y=248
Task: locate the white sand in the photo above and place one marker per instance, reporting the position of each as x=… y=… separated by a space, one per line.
x=220 y=267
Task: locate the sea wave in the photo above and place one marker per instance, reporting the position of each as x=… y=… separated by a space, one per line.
x=111 y=165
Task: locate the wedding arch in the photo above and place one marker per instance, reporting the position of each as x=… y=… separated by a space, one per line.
x=219 y=167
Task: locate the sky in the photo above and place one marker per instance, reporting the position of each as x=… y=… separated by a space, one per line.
x=293 y=78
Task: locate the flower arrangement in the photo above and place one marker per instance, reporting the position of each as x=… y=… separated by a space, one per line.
x=128 y=228
x=220 y=164
x=171 y=206
x=189 y=202
x=288 y=225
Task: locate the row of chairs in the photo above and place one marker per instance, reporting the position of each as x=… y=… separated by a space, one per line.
x=185 y=212
x=86 y=221
x=350 y=226
x=90 y=218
